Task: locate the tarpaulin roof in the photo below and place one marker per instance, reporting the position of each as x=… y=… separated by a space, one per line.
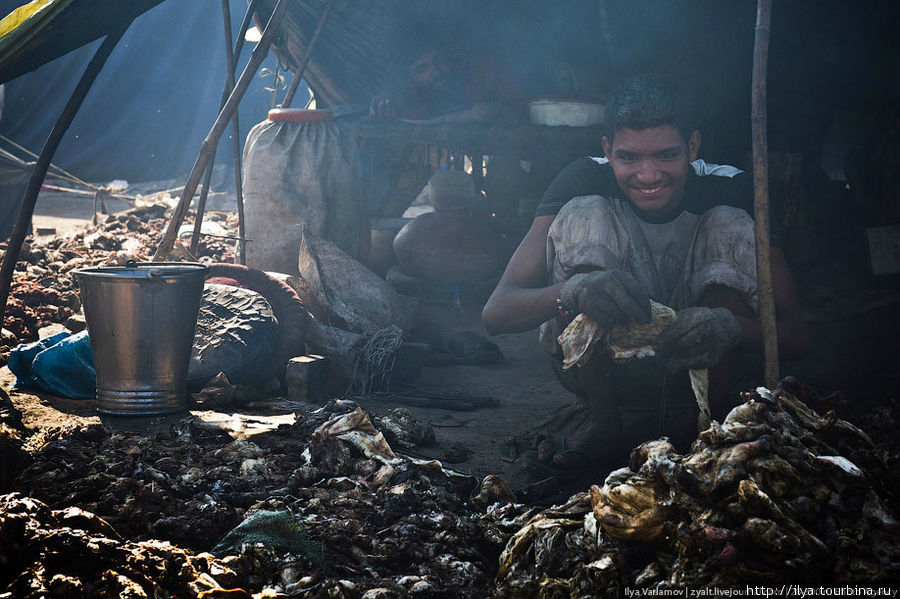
x=42 y=30
x=150 y=107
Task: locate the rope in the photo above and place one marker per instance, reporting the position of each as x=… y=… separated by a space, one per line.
x=373 y=365
x=58 y=173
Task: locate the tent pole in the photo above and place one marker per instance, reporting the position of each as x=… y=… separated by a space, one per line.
x=761 y=193
x=245 y=25
x=43 y=163
x=208 y=147
x=201 y=207
x=236 y=154
x=298 y=74
x=235 y=138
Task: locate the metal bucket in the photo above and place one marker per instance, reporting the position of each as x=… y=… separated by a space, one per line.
x=141 y=319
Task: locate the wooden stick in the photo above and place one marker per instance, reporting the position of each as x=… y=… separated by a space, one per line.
x=298 y=74
x=208 y=147
x=605 y=32
x=43 y=163
x=235 y=136
x=761 y=193
x=201 y=206
x=245 y=25
x=236 y=155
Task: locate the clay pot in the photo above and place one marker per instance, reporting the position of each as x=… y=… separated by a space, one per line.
x=449 y=246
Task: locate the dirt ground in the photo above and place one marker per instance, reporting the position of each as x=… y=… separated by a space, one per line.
x=523 y=383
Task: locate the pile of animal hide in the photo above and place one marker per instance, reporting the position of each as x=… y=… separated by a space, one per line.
x=774 y=494
x=43 y=290
x=321 y=507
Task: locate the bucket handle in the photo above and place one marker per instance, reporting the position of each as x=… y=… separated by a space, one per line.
x=151 y=272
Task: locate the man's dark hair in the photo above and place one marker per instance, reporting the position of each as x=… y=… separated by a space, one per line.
x=646 y=101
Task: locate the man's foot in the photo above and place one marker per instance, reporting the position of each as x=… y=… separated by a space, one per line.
x=568 y=459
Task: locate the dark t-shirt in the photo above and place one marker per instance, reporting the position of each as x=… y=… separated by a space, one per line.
x=586 y=176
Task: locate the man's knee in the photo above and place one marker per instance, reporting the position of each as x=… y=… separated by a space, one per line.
x=586 y=235
x=725 y=232
x=724 y=258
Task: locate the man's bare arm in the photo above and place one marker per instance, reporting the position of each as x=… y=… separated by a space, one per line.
x=522 y=299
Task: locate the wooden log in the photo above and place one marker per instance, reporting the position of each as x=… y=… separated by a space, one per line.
x=208 y=147
x=43 y=163
x=758 y=120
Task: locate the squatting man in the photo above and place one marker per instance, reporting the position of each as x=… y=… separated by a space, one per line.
x=647 y=221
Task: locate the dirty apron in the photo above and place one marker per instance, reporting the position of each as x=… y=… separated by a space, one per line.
x=676 y=261
x=300 y=173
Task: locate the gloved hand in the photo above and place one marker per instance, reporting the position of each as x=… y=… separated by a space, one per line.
x=698 y=338
x=607 y=297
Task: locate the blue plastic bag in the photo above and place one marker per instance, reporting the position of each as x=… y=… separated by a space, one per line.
x=62 y=365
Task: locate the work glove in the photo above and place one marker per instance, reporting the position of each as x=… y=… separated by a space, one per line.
x=698 y=338
x=608 y=297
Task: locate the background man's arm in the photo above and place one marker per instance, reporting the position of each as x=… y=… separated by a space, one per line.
x=793 y=337
x=522 y=299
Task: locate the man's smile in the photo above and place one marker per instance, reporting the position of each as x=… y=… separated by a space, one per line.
x=650 y=190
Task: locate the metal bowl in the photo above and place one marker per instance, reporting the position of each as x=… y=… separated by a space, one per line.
x=571 y=113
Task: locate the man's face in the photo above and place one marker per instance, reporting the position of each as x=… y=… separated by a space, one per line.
x=430 y=70
x=651 y=166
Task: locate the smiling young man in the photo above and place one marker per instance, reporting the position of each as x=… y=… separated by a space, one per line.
x=647 y=221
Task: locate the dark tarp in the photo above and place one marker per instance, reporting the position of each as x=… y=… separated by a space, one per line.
x=151 y=106
x=60 y=27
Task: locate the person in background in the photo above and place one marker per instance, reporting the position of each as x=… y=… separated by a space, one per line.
x=647 y=221
x=439 y=83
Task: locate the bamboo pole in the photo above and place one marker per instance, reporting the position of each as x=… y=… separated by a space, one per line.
x=235 y=138
x=242 y=32
x=236 y=153
x=298 y=74
x=759 y=125
x=201 y=207
x=208 y=147
x=43 y=162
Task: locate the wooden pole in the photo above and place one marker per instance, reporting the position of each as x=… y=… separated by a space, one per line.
x=236 y=151
x=235 y=138
x=298 y=74
x=43 y=163
x=761 y=193
x=208 y=147
x=245 y=25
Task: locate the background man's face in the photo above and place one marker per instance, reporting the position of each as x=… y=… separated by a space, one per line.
x=430 y=70
x=651 y=166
